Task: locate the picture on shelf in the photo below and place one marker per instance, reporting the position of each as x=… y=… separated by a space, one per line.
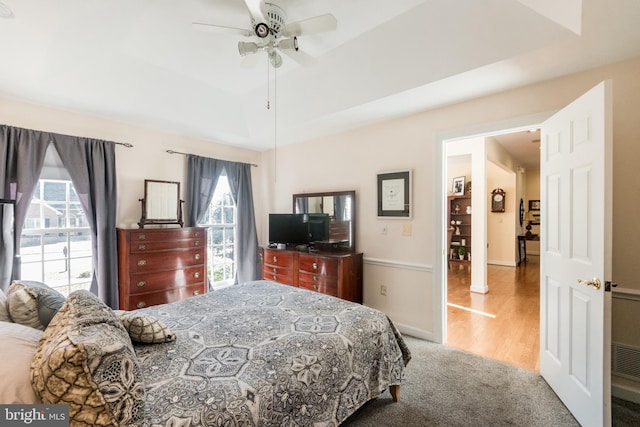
x=458 y=186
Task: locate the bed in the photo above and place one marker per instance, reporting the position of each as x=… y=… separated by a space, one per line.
x=255 y=354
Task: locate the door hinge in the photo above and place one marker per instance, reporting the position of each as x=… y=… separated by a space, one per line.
x=608 y=285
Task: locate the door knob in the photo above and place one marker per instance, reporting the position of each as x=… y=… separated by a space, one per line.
x=595 y=282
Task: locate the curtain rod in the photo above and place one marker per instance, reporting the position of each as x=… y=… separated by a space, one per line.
x=126 y=144
x=187 y=154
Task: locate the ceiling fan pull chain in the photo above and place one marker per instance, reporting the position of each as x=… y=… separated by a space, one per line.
x=268 y=86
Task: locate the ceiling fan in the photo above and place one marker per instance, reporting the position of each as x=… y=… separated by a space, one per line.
x=273 y=33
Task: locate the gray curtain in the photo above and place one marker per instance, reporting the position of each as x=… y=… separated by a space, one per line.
x=91 y=165
x=22 y=154
x=202 y=177
x=248 y=262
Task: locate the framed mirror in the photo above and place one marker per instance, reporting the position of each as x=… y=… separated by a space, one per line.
x=161 y=203
x=340 y=206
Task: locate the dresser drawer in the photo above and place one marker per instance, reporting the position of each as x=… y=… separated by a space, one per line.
x=319 y=265
x=278 y=274
x=156 y=281
x=152 y=246
x=326 y=285
x=278 y=258
x=170 y=234
x=162 y=297
x=141 y=262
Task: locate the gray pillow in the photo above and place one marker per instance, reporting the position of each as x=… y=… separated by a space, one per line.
x=33 y=303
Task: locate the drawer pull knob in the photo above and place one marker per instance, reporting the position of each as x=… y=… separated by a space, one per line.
x=315 y=266
x=141 y=304
x=141 y=283
x=196 y=275
x=142 y=262
x=315 y=278
x=196 y=243
x=275 y=270
x=142 y=247
x=196 y=256
x=197 y=233
x=275 y=258
x=196 y=292
x=142 y=237
x=315 y=287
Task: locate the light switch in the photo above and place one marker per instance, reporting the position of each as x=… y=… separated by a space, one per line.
x=406 y=229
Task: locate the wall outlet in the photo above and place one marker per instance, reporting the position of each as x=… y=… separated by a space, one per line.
x=383 y=290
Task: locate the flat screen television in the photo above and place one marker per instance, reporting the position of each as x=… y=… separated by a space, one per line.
x=288 y=228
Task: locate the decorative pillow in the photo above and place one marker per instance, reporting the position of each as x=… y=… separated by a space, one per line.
x=4 y=314
x=18 y=346
x=86 y=360
x=33 y=303
x=144 y=328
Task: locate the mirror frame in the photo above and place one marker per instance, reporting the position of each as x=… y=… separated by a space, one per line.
x=352 y=194
x=145 y=219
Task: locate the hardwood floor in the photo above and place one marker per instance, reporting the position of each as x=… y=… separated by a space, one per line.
x=503 y=324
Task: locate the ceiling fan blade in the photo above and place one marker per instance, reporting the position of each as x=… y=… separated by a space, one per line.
x=256 y=9
x=317 y=24
x=221 y=29
x=300 y=57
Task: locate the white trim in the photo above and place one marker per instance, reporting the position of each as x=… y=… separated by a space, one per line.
x=625 y=293
x=503 y=263
x=624 y=391
x=398 y=264
x=414 y=332
x=509 y=125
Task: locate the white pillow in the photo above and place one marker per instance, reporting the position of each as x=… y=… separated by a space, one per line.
x=19 y=344
x=4 y=314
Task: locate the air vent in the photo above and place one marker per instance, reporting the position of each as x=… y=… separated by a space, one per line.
x=625 y=361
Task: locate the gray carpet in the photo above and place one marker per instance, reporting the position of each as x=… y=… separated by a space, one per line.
x=448 y=387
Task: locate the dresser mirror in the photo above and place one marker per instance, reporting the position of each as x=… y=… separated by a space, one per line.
x=161 y=203
x=340 y=206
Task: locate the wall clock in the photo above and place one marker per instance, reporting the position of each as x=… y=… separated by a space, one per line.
x=497 y=200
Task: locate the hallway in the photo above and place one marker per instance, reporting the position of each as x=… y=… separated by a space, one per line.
x=504 y=323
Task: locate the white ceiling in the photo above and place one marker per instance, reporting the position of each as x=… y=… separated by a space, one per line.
x=143 y=62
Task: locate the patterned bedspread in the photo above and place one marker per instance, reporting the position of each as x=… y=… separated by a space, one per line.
x=265 y=354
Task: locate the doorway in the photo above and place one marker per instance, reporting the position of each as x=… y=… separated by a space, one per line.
x=498 y=318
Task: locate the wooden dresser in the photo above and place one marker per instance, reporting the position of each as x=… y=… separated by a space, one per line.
x=337 y=274
x=160 y=265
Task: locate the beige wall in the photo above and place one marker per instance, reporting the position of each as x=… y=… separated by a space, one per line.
x=408 y=265
x=147 y=159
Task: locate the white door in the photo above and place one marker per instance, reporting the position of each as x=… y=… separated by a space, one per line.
x=575 y=255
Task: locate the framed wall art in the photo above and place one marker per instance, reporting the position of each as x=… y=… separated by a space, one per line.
x=394 y=194
x=457 y=188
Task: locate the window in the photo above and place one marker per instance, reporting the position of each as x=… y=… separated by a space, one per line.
x=55 y=244
x=220 y=220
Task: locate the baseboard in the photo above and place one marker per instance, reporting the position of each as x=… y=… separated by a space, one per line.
x=415 y=332
x=482 y=289
x=504 y=263
x=625 y=389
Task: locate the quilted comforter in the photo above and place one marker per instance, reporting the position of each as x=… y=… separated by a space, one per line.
x=265 y=354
